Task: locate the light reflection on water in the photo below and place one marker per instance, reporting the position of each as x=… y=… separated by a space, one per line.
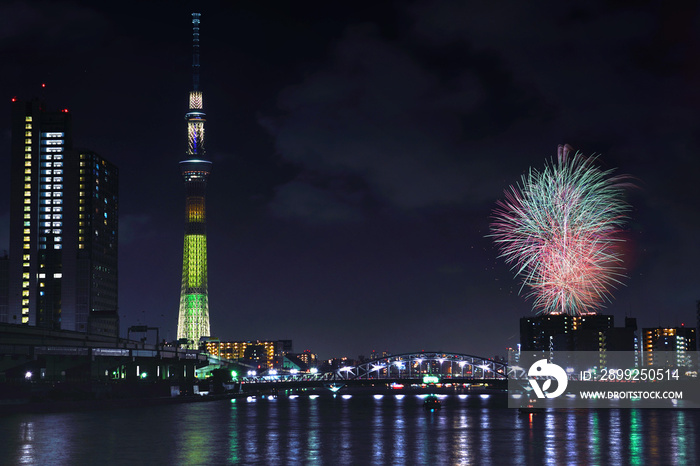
x=357 y=430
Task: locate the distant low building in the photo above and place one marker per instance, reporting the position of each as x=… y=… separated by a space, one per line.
x=308 y=358
x=262 y=353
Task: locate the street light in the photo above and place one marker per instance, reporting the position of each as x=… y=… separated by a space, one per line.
x=399 y=366
x=461 y=365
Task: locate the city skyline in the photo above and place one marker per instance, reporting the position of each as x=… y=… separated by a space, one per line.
x=360 y=155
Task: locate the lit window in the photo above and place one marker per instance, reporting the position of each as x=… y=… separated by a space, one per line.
x=27 y=171
x=28 y=163
x=28 y=118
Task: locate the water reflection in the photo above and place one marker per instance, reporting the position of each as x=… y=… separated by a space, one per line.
x=272 y=432
x=615 y=436
x=233 y=427
x=572 y=433
x=485 y=437
x=635 y=439
x=26 y=432
x=359 y=430
x=377 y=432
x=313 y=427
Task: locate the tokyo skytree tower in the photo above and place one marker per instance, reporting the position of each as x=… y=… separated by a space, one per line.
x=193 y=317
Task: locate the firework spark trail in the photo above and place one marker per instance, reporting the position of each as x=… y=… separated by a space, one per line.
x=558 y=230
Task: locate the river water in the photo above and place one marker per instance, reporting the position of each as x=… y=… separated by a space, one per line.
x=360 y=429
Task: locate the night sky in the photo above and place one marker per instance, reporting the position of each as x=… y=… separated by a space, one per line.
x=359 y=149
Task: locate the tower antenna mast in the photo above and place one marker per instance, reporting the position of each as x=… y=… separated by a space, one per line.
x=195 y=50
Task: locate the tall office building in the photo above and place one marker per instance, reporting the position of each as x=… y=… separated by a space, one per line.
x=63 y=224
x=193 y=315
x=4 y=262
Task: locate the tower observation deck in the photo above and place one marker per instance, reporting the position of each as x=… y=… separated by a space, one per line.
x=193 y=316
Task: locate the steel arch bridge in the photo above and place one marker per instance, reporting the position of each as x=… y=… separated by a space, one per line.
x=399 y=367
x=416 y=365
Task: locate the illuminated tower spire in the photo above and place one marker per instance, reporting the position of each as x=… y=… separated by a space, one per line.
x=193 y=317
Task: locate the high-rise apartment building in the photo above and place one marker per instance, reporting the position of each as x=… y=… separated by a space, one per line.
x=679 y=341
x=193 y=314
x=63 y=224
x=586 y=332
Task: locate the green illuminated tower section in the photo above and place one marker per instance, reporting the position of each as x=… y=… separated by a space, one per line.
x=193 y=316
